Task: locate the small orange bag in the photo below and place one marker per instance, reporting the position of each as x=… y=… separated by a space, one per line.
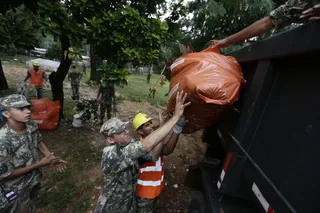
x=213 y=83
x=46 y=113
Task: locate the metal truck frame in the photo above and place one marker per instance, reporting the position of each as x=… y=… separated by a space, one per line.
x=264 y=155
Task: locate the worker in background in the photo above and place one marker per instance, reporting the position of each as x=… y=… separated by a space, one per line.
x=150 y=181
x=163 y=79
x=20 y=168
x=148 y=77
x=84 y=68
x=108 y=98
x=120 y=160
x=37 y=79
x=74 y=77
x=297 y=11
x=152 y=91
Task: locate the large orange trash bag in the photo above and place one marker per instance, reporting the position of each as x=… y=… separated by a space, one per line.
x=46 y=113
x=213 y=83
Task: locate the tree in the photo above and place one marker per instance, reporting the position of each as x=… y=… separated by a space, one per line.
x=18 y=28
x=3 y=80
x=118 y=31
x=125 y=33
x=216 y=19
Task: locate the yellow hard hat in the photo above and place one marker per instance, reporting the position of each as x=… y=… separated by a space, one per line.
x=35 y=63
x=139 y=120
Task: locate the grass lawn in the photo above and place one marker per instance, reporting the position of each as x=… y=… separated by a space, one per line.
x=138 y=88
x=18 y=61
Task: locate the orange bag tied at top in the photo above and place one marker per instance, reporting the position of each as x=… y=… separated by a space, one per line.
x=213 y=83
x=46 y=113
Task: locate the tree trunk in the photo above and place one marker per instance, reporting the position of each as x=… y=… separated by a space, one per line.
x=3 y=80
x=56 y=78
x=93 y=64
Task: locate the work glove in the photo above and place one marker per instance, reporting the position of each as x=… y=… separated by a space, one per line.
x=47 y=84
x=178 y=127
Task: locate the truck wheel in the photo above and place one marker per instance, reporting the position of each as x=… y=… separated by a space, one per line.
x=197 y=204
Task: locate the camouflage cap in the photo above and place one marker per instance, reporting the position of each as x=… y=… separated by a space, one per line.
x=14 y=100
x=113 y=126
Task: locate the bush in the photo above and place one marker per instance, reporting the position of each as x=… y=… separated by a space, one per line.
x=54 y=51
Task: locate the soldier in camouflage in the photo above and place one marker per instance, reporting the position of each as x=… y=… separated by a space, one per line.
x=74 y=77
x=293 y=11
x=20 y=169
x=108 y=98
x=119 y=162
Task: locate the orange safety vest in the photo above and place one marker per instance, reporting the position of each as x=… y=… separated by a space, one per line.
x=36 y=78
x=150 y=179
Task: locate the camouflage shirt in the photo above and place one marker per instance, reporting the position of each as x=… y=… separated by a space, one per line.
x=6 y=206
x=18 y=151
x=74 y=76
x=120 y=167
x=3 y=201
x=107 y=94
x=290 y=12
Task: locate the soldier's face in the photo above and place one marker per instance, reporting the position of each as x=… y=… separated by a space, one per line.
x=123 y=137
x=146 y=129
x=22 y=114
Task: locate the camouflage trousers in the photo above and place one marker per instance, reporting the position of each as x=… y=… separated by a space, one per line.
x=146 y=205
x=75 y=91
x=103 y=108
x=28 y=197
x=36 y=92
x=14 y=206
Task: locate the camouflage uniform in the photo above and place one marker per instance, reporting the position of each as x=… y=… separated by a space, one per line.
x=146 y=205
x=75 y=76
x=17 y=151
x=120 y=167
x=9 y=206
x=290 y=12
x=107 y=94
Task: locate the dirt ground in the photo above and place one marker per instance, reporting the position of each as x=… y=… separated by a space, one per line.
x=81 y=147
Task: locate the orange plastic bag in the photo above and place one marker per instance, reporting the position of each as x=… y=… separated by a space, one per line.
x=213 y=83
x=46 y=113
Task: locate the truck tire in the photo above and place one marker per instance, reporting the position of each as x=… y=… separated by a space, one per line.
x=197 y=204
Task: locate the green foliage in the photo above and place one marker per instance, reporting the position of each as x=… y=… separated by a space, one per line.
x=18 y=28
x=54 y=51
x=178 y=10
x=124 y=36
x=216 y=19
x=169 y=52
x=111 y=73
x=122 y=31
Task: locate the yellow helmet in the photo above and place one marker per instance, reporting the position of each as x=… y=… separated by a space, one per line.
x=35 y=63
x=139 y=120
